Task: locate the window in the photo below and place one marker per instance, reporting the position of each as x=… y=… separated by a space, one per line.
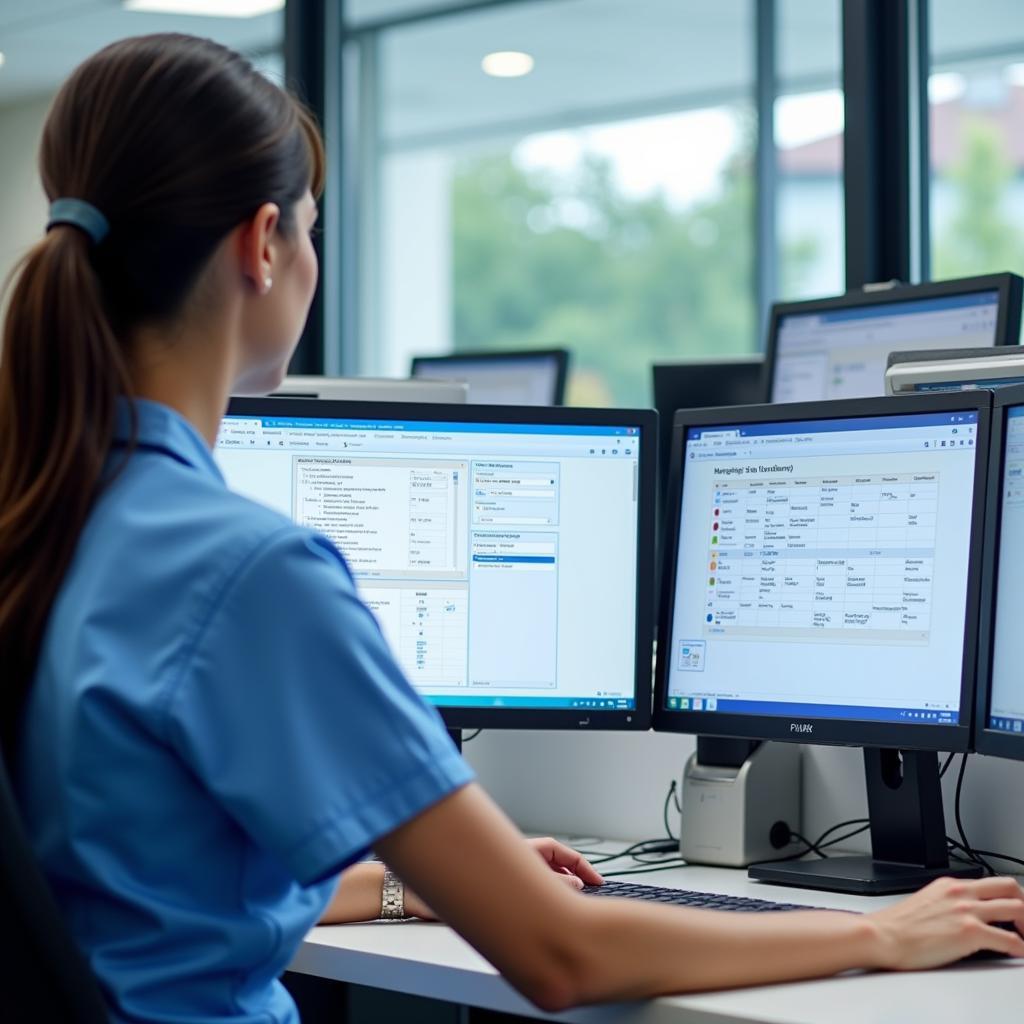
x=976 y=97
x=603 y=202
x=809 y=141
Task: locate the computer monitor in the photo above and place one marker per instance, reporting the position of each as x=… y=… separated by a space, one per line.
x=530 y=377
x=374 y=389
x=506 y=552
x=999 y=713
x=821 y=586
x=838 y=347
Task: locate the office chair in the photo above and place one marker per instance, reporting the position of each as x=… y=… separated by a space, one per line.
x=44 y=977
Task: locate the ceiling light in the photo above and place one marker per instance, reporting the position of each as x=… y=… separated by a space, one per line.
x=210 y=8
x=2 y=59
x=507 y=64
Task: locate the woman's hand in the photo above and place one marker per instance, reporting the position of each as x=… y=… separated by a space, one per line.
x=570 y=866
x=949 y=919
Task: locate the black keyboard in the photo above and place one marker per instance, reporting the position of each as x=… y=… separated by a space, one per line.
x=686 y=898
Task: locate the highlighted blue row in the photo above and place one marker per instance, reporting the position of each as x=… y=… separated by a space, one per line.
x=777 y=709
x=570 y=703
x=514 y=558
x=418 y=426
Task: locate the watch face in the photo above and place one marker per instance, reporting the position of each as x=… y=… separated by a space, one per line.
x=392 y=901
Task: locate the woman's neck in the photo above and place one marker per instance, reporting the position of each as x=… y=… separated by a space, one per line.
x=189 y=370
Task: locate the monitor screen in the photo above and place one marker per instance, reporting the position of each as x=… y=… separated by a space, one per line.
x=514 y=379
x=822 y=568
x=500 y=558
x=1006 y=702
x=842 y=352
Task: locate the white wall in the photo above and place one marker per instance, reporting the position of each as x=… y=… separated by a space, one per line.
x=22 y=203
x=614 y=785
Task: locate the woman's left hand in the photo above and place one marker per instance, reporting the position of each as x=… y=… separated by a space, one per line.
x=572 y=866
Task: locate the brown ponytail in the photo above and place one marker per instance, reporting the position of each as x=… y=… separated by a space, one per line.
x=176 y=140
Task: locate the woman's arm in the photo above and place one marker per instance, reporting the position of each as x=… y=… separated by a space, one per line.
x=470 y=864
x=357 y=896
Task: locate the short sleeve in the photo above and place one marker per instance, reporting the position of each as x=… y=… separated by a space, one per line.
x=294 y=714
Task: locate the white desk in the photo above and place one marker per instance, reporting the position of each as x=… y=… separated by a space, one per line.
x=431 y=960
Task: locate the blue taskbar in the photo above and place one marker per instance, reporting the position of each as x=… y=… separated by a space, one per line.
x=1015 y=725
x=544 y=703
x=777 y=709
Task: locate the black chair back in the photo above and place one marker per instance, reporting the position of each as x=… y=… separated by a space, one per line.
x=44 y=976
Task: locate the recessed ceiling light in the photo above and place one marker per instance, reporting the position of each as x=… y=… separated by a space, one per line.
x=210 y=8
x=507 y=64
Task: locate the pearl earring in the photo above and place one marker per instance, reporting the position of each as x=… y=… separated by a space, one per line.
x=267 y=284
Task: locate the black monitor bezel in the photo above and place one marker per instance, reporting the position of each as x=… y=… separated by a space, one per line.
x=1009 y=287
x=637 y=719
x=559 y=355
x=844 y=732
x=993 y=742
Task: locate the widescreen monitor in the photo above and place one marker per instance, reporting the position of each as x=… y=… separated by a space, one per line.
x=839 y=347
x=999 y=718
x=528 y=377
x=374 y=389
x=822 y=581
x=507 y=553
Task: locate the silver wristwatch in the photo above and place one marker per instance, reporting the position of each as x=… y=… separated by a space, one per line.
x=392 y=897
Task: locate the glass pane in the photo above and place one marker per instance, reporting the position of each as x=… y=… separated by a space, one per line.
x=976 y=98
x=603 y=202
x=809 y=121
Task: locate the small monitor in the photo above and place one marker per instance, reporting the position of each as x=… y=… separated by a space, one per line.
x=506 y=552
x=530 y=377
x=374 y=389
x=999 y=719
x=822 y=579
x=699 y=384
x=839 y=347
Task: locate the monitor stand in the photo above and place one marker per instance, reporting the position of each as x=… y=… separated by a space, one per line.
x=908 y=834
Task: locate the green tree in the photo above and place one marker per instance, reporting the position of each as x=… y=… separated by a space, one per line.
x=980 y=238
x=543 y=260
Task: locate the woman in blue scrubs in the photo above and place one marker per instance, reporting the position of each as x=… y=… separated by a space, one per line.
x=205 y=724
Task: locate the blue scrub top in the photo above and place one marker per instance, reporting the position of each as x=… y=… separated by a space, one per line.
x=215 y=730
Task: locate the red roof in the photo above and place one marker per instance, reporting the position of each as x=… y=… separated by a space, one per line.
x=947 y=127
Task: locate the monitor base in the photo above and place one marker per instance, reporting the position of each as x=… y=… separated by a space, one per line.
x=859 y=876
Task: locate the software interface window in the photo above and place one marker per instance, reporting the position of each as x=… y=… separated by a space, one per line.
x=499 y=559
x=843 y=353
x=1007 y=703
x=822 y=568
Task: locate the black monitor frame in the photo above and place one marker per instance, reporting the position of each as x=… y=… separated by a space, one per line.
x=993 y=741
x=637 y=719
x=825 y=730
x=1009 y=287
x=900 y=763
x=559 y=355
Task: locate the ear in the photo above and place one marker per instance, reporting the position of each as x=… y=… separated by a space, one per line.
x=257 y=248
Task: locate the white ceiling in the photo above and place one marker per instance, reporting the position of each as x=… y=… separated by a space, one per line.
x=44 y=40
x=591 y=54
x=605 y=57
